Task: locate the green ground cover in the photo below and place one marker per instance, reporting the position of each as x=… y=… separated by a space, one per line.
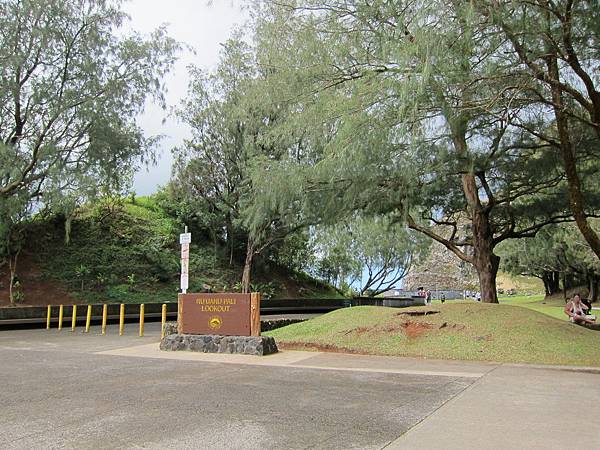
x=129 y=252
x=461 y=331
x=553 y=307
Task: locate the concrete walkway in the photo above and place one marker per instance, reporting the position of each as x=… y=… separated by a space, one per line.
x=515 y=407
x=321 y=361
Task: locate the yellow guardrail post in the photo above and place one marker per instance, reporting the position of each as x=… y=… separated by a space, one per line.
x=60 y=316
x=73 y=318
x=104 y=314
x=88 y=319
x=142 y=320
x=48 y=317
x=163 y=320
x=121 y=319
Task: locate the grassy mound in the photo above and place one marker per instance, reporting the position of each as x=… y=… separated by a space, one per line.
x=464 y=331
x=128 y=252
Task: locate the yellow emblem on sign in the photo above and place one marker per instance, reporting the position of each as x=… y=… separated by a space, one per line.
x=215 y=322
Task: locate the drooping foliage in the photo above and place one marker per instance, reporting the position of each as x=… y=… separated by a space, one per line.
x=371 y=254
x=230 y=113
x=427 y=119
x=72 y=83
x=558 y=255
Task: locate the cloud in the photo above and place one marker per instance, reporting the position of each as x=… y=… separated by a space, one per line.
x=200 y=25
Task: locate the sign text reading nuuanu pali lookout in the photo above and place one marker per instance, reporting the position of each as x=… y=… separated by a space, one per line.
x=226 y=314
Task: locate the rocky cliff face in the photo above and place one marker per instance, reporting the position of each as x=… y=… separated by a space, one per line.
x=442 y=270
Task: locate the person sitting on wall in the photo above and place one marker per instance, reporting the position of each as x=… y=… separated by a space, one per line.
x=577 y=311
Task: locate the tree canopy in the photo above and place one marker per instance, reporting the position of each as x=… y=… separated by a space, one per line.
x=557 y=254
x=230 y=113
x=428 y=119
x=71 y=86
x=368 y=253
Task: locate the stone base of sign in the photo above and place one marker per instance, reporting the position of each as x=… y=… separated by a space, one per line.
x=170 y=328
x=211 y=343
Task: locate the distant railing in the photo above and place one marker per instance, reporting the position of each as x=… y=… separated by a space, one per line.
x=130 y=312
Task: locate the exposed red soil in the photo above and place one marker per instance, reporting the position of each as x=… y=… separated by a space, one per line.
x=37 y=290
x=410 y=328
x=415 y=329
x=420 y=312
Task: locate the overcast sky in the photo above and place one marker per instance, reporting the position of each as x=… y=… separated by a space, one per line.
x=197 y=23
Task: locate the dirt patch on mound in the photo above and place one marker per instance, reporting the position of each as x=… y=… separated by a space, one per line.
x=36 y=290
x=410 y=328
x=413 y=329
x=420 y=312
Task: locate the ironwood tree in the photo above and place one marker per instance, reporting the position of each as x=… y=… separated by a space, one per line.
x=228 y=112
x=428 y=121
x=369 y=253
x=558 y=255
x=72 y=83
x=555 y=44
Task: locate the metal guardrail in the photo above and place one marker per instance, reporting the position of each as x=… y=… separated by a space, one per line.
x=36 y=315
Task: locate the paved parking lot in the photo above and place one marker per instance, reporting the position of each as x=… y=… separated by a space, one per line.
x=70 y=390
x=60 y=392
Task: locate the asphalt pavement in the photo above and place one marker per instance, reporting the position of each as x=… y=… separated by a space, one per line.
x=88 y=391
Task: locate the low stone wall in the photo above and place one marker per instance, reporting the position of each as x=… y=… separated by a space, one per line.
x=211 y=343
x=268 y=325
x=265 y=325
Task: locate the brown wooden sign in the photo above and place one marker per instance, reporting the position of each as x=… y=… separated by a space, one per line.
x=226 y=314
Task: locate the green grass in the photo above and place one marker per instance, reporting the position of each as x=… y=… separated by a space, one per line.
x=552 y=307
x=472 y=331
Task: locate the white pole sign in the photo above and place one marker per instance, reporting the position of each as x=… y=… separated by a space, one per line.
x=184 y=240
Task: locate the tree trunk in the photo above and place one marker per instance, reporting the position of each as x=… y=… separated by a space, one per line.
x=569 y=280
x=230 y=239
x=12 y=264
x=68 y=226
x=550 y=280
x=576 y=201
x=547 y=283
x=555 y=281
x=593 y=289
x=485 y=261
x=487 y=265
x=215 y=249
x=247 y=267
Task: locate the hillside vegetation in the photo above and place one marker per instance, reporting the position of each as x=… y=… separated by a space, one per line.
x=129 y=252
x=465 y=331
